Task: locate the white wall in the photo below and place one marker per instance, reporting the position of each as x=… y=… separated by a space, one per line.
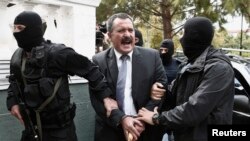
x=75 y=23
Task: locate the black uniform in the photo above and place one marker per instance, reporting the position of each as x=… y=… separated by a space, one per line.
x=37 y=75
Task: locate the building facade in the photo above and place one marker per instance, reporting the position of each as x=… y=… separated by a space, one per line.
x=71 y=22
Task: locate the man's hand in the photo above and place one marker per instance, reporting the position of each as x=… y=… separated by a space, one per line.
x=146 y=115
x=157 y=91
x=16 y=112
x=140 y=128
x=110 y=104
x=129 y=127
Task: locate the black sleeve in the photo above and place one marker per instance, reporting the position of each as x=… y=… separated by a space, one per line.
x=75 y=64
x=13 y=91
x=11 y=98
x=115 y=116
x=159 y=76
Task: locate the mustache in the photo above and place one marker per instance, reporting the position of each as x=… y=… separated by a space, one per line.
x=126 y=39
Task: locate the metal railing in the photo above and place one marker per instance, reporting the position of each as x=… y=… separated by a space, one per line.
x=4 y=71
x=234 y=49
x=241 y=52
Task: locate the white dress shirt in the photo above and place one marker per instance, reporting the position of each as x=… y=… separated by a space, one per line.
x=129 y=107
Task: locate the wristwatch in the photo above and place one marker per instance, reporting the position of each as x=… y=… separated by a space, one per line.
x=155 y=118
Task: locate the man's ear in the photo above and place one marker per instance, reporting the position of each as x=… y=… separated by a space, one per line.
x=109 y=35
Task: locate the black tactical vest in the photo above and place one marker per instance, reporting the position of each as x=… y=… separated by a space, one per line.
x=37 y=85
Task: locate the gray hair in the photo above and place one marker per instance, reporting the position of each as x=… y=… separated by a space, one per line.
x=118 y=15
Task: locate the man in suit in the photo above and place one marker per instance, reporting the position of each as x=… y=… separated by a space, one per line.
x=144 y=71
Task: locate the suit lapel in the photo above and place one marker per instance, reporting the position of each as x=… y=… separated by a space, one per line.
x=112 y=65
x=136 y=71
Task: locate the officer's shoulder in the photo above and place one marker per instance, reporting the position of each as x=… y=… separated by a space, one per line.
x=102 y=54
x=179 y=60
x=146 y=50
x=16 y=56
x=54 y=47
x=18 y=51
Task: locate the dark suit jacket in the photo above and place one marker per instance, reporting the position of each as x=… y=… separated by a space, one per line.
x=147 y=69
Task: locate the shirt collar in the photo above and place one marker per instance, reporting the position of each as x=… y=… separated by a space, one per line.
x=118 y=55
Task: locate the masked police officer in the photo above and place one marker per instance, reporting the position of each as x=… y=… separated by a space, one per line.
x=170 y=64
x=40 y=69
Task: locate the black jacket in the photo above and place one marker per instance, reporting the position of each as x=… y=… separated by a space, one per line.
x=204 y=95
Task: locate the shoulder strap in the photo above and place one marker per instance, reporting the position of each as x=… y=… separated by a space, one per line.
x=44 y=104
x=22 y=70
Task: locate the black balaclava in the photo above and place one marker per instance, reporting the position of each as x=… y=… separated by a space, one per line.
x=167 y=57
x=139 y=36
x=32 y=35
x=198 y=35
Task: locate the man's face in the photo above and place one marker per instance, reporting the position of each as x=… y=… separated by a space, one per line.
x=122 y=35
x=163 y=50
